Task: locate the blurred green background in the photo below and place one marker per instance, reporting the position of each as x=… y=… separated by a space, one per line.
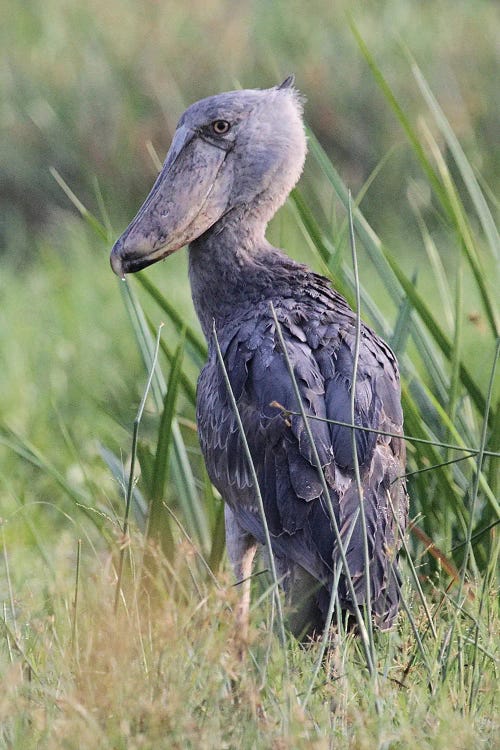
x=92 y=88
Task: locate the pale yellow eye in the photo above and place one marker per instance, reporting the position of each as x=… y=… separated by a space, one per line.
x=220 y=127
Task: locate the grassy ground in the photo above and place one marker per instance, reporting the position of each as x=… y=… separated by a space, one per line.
x=85 y=89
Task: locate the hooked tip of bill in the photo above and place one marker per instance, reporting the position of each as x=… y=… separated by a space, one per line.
x=116 y=262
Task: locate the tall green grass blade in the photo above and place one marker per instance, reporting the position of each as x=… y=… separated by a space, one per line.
x=401 y=331
x=131 y=477
x=435 y=329
x=468 y=176
x=359 y=486
x=185 y=485
x=106 y=222
x=322 y=247
x=438 y=270
x=145 y=342
x=91 y=220
x=332 y=263
x=401 y=116
x=456 y=351
x=159 y=522
x=460 y=219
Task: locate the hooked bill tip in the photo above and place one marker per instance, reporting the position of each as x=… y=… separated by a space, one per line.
x=116 y=262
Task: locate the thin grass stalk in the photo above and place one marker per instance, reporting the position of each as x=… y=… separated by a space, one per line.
x=338 y=538
x=75 y=599
x=260 y=502
x=475 y=680
x=475 y=536
x=344 y=229
x=9 y=646
x=440 y=465
x=409 y=438
x=9 y=583
x=331 y=258
x=401 y=330
x=106 y=222
x=130 y=485
x=361 y=499
x=445 y=421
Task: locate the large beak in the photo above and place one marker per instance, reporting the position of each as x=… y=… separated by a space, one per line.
x=189 y=195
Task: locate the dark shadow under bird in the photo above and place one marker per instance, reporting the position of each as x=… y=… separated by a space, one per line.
x=233 y=160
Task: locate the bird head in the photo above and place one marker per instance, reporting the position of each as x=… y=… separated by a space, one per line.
x=239 y=150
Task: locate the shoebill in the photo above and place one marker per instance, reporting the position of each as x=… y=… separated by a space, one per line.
x=233 y=160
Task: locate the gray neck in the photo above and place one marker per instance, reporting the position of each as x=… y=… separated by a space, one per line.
x=232 y=266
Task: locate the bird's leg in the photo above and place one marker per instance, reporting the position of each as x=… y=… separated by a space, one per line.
x=241 y=548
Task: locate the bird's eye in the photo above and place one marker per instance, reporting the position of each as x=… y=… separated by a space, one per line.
x=220 y=127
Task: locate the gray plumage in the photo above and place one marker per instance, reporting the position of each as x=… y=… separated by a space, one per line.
x=233 y=161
